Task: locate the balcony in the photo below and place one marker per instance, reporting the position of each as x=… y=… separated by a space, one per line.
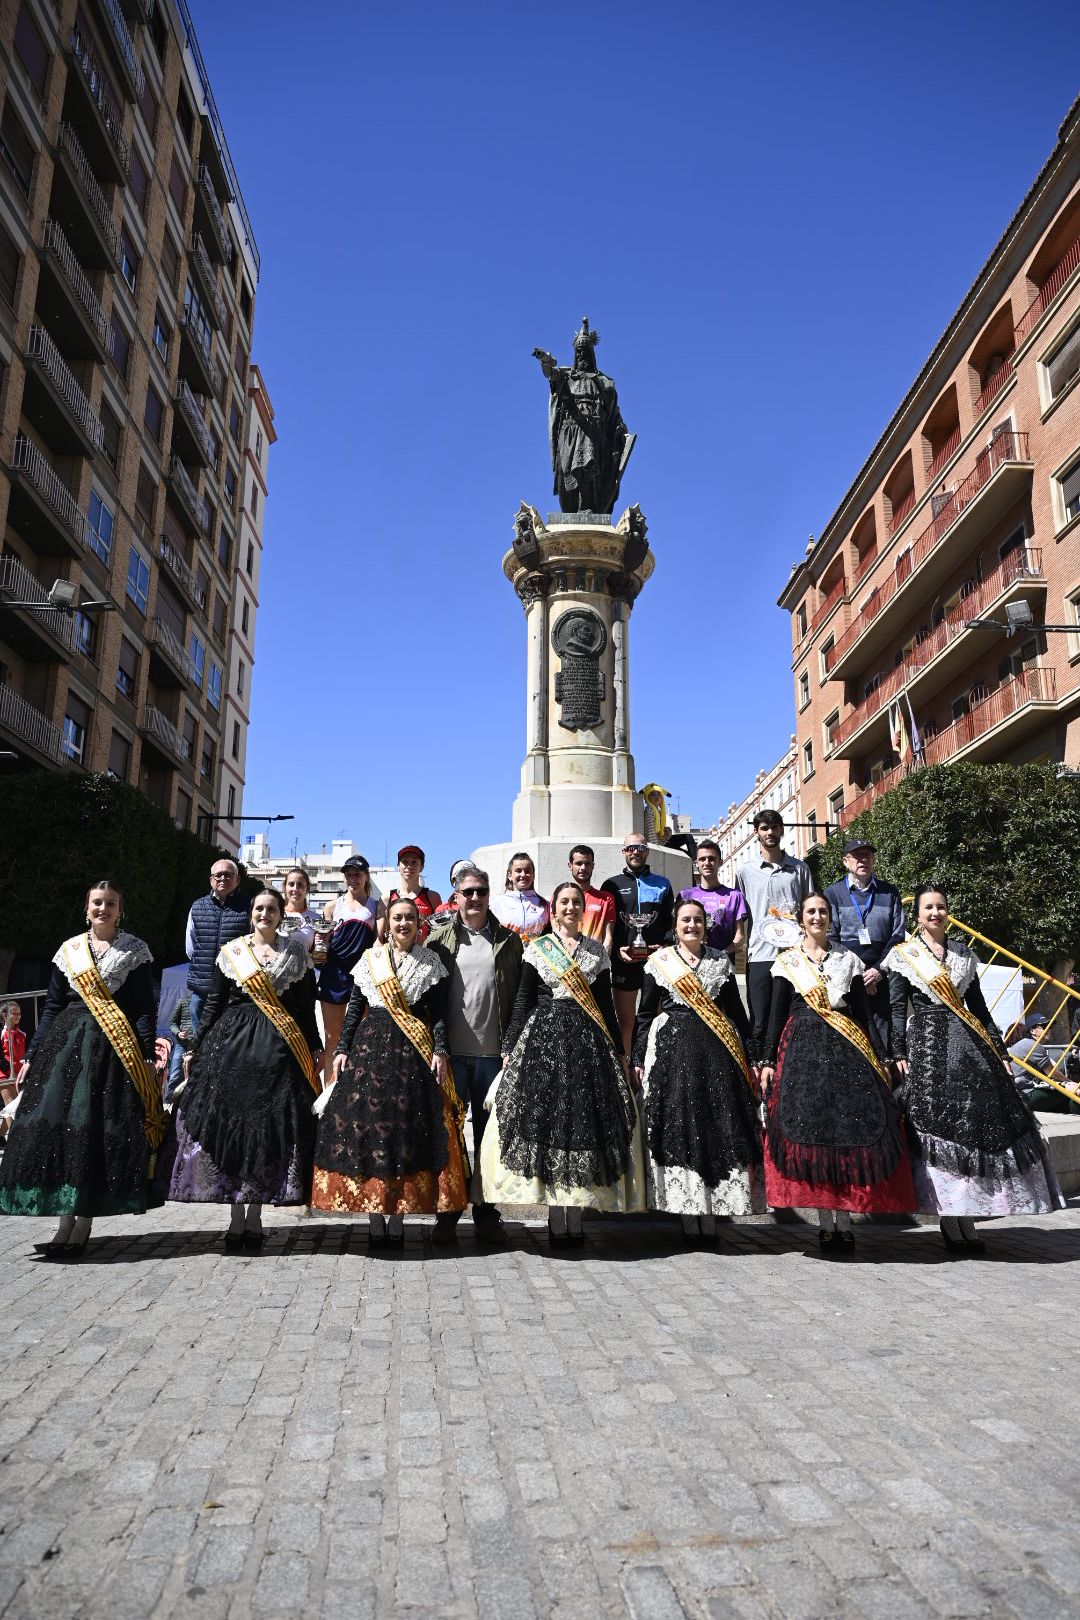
x=181 y=574
x=191 y=436
x=207 y=279
x=1035 y=311
x=185 y=495
x=989 y=729
x=835 y=595
x=25 y=724
x=40 y=633
x=169 y=663
x=80 y=205
x=54 y=401
x=123 y=46
x=43 y=509
x=948 y=647
x=1001 y=475
x=866 y=562
x=993 y=388
x=207 y=207
x=96 y=111
x=945 y=454
x=66 y=301
x=901 y=513
x=196 y=354
x=163 y=736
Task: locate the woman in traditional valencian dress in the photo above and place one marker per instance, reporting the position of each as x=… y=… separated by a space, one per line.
x=980 y=1150
x=390 y=1137
x=702 y=1142
x=244 y=1127
x=564 y=1125
x=90 y=1120
x=834 y=1138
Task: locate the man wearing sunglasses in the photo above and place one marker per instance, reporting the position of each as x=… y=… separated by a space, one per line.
x=483 y=965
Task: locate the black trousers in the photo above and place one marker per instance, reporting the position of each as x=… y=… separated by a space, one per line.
x=759 y=995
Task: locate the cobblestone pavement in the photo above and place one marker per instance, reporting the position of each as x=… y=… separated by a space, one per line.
x=633 y=1430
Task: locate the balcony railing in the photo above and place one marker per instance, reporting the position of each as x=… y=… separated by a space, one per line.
x=180 y=571
x=192 y=406
x=163 y=731
x=209 y=280
x=993 y=387
x=184 y=487
x=21 y=718
x=1047 y=293
x=50 y=486
x=1023 y=564
x=56 y=243
x=201 y=342
x=214 y=214
x=124 y=44
x=44 y=351
x=102 y=94
x=899 y=513
x=91 y=186
x=947 y=451
x=161 y=635
x=1003 y=448
x=17 y=581
x=835 y=594
x=1030 y=686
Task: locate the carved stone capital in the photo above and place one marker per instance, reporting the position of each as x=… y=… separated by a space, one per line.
x=530 y=588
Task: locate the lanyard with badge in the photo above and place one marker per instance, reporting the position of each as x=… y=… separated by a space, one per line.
x=864 y=932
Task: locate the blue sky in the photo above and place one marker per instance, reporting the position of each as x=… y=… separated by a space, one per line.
x=769 y=214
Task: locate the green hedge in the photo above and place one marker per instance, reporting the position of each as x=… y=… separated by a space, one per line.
x=61 y=831
x=1004 y=839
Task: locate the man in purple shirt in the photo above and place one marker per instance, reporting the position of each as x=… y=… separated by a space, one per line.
x=725 y=908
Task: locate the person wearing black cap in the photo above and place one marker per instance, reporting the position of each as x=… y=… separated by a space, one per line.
x=868 y=920
x=410 y=865
x=1029 y=1046
x=356 y=916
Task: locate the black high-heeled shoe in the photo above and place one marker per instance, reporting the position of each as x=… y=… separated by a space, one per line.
x=828 y=1245
x=234 y=1241
x=253 y=1241
x=954 y=1245
x=845 y=1242
x=973 y=1245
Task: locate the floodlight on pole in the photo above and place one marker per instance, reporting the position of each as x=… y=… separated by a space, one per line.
x=1018 y=616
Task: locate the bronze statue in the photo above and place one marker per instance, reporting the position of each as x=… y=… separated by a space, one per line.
x=590 y=445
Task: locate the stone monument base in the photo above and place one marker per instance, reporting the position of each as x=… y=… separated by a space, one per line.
x=551 y=855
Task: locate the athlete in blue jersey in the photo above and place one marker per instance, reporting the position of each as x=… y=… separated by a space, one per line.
x=636 y=890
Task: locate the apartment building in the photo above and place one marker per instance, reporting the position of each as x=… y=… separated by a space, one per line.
x=967 y=508
x=322 y=866
x=774 y=789
x=128 y=406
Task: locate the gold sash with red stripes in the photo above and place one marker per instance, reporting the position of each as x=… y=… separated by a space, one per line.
x=694 y=993
x=116 y=1027
x=937 y=981
x=562 y=964
x=796 y=967
x=249 y=973
x=414 y=1029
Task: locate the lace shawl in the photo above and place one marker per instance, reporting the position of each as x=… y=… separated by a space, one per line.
x=839 y=968
x=714 y=970
x=590 y=956
x=961 y=965
x=416 y=973
x=288 y=966
x=125 y=953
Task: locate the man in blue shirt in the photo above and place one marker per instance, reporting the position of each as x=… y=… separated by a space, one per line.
x=868 y=919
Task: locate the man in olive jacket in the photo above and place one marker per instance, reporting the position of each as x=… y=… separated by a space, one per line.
x=483 y=964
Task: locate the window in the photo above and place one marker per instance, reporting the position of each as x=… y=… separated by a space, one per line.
x=170 y=262
x=836 y=805
x=185 y=116
x=801 y=620
x=75 y=729
x=249 y=565
x=32 y=50
x=240 y=363
x=231 y=805
x=206 y=766
x=183 y=810
x=197 y=321
x=213 y=690
x=145 y=495
x=197 y=653
x=207 y=516
x=169 y=609
x=177 y=186
x=10 y=259
x=215 y=443
x=258 y=446
x=191 y=734
x=245 y=302
x=220 y=608
x=224 y=548
x=824 y=653
x=254 y=503
x=86 y=632
x=154 y=413
x=1063 y=366
x=245 y=616
x=100 y=524
x=148 y=106
x=241 y=677
x=1069 y=485
x=16 y=148
x=807 y=760
x=230 y=486
x=202 y=579
x=129 y=260
x=110 y=443
x=236 y=739
x=119 y=348
x=235 y=420
x=127 y=670
x=804 y=689
x=828 y=728
x=162 y=333
x=811 y=827
x=119 y=756
x=138 y=579
x=138 y=181
x=158 y=30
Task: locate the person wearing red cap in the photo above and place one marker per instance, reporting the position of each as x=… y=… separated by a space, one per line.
x=410 y=864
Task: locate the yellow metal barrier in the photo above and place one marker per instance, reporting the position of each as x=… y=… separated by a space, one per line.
x=1070 y=999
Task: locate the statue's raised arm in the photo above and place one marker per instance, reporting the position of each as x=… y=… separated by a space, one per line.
x=590 y=445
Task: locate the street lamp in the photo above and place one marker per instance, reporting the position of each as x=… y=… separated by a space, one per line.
x=63 y=597
x=1018 y=616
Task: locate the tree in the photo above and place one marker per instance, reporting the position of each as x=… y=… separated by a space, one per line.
x=1003 y=839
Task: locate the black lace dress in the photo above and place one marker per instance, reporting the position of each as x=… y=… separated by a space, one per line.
x=388 y=1138
x=77 y=1144
x=564 y=1125
x=699 y=1113
x=245 y=1132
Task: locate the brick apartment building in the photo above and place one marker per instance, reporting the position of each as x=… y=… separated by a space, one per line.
x=130 y=410
x=969 y=502
x=774 y=789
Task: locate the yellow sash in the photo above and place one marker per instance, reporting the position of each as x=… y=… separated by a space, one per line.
x=414 y=1029
x=116 y=1027
x=797 y=968
x=936 y=979
x=562 y=964
x=691 y=989
x=254 y=980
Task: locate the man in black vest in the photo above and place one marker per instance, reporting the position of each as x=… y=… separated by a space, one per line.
x=213 y=920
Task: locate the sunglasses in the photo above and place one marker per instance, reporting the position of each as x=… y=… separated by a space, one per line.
x=473 y=894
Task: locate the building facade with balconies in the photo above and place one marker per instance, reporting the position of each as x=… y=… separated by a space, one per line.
x=128 y=270
x=970 y=501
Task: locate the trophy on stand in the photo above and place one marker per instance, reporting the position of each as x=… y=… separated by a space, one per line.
x=639 y=951
x=323 y=930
